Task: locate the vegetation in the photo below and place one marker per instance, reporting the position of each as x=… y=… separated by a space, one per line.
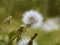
x=16 y=8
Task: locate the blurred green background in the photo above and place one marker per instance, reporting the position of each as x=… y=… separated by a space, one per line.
x=16 y=8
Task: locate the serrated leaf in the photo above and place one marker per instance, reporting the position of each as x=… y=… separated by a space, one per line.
x=11 y=34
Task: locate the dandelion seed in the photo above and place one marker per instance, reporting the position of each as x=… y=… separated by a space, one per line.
x=32 y=18
x=25 y=40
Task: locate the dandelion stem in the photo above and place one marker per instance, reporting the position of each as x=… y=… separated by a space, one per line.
x=12 y=39
x=32 y=38
x=18 y=35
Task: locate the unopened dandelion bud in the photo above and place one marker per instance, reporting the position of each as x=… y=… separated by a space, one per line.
x=31 y=40
x=35 y=35
x=20 y=30
x=8 y=20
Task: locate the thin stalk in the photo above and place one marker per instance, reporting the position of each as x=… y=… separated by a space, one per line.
x=32 y=38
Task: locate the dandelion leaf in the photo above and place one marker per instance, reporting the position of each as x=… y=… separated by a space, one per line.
x=11 y=34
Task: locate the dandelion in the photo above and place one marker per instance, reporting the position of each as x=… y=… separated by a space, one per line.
x=25 y=40
x=32 y=18
x=50 y=24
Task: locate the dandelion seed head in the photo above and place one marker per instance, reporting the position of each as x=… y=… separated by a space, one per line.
x=25 y=40
x=32 y=18
x=50 y=25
